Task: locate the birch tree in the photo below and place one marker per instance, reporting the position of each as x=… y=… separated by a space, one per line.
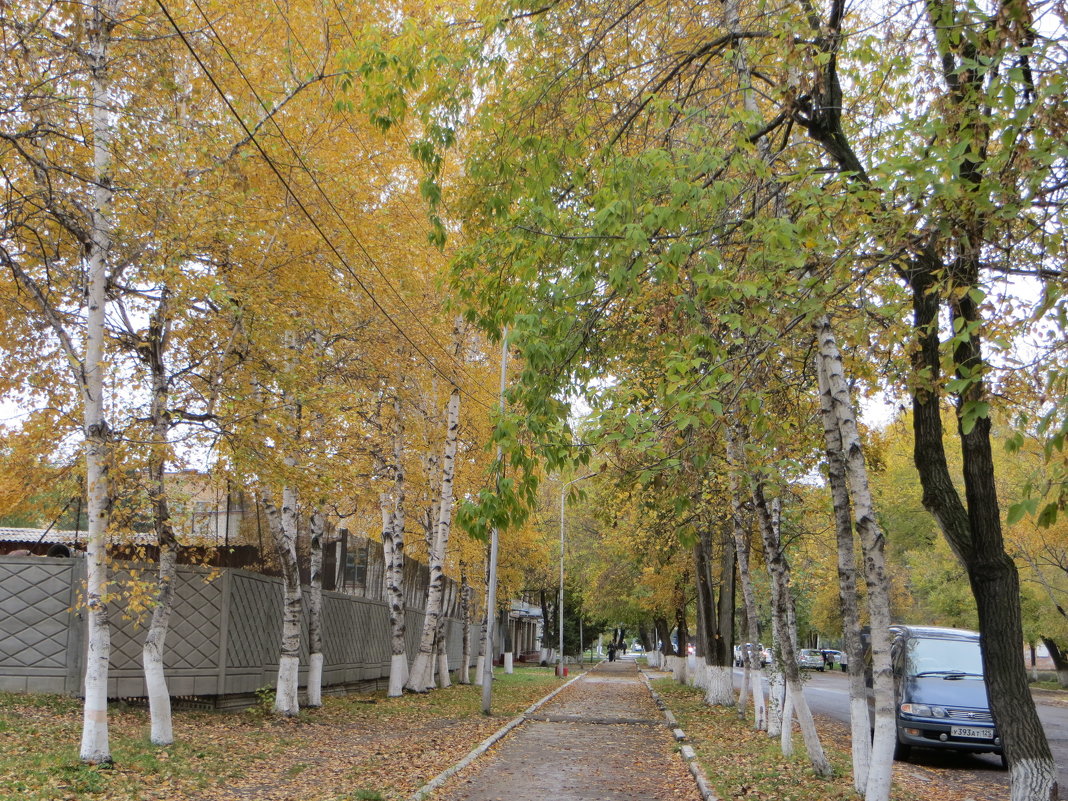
x=782 y=602
x=76 y=199
x=391 y=503
x=317 y=528
x=859 y=717
x=421 y=676
x=833 y=385
x=283 y=526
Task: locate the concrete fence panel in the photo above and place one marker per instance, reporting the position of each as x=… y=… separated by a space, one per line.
x=223 y=639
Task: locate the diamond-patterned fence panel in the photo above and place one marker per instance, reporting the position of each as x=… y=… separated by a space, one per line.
x=255 y=620
x=38 y=625
x=231 y=613
x=197 y=619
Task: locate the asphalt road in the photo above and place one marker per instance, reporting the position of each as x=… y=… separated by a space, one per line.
x=828 y=695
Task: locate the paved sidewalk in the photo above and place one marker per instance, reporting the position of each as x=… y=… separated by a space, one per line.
x=601 y=739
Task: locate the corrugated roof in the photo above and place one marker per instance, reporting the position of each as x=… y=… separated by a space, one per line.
x=32 y=535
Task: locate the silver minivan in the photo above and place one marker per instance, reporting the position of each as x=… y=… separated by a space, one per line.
x=941 y=695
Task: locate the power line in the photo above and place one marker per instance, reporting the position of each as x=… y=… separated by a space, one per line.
x=300 y=204
x=296 y=153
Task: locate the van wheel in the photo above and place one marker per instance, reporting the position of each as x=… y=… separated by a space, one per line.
x=902 y=752
x=1004 y=761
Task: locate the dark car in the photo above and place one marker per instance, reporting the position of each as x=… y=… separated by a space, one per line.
x=941 y=695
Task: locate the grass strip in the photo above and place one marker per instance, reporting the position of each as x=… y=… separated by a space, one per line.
x=355 y=746
x=742 y=763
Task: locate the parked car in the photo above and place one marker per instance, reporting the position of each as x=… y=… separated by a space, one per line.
x=758 y=650
x=941 y=699
x=811 y=659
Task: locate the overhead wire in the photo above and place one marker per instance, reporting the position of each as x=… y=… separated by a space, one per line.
x=296 y=153
x=304 y=209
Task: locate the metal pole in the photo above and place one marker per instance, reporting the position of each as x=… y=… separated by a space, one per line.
x=491 y=579
x=560 y=600
x=491 y=605
x=560 y=606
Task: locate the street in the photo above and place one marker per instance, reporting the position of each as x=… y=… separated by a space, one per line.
x=828 y=695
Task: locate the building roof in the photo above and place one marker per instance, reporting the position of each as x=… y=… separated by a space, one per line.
x=35 y=535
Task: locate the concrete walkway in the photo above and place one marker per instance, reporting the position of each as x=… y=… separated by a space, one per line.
x=601 y=739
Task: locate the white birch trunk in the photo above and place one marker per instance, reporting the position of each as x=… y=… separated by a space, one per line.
x=754 y=661
x=423 y=666
x=786 y=729
x=880 y=769
x=776 y=700
x=441 y=646
x=444 y=679
x=283 y=525
x=159 y=701
x=95 y=747
x=392 y=508
x=317 y=526
x=464 y=676
x=480 y=662
x=859 y=718
x=779 y=571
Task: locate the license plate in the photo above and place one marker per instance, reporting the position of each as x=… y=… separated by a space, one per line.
x=973 y=732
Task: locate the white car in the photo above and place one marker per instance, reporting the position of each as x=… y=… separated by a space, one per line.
x=810 y=658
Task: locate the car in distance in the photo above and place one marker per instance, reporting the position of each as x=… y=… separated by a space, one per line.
x=756 y=651
x=810 y=659
x=941 y=699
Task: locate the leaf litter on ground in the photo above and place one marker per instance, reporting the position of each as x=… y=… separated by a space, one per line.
x=354 y=748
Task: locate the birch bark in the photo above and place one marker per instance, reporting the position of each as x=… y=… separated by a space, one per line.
x=95 y=747
x=440 y=644
x=317 y=526
x=283 y=526
x=860 y=733
x=159 y=701
x=754 y=663
x=779 y=570
x=420 y=678
x=835 y=393
x=392 y=508
x=465 y=617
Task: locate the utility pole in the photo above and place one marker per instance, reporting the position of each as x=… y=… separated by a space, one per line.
x=560 y=600
x=491 y=579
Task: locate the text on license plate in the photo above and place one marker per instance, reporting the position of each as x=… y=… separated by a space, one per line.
x=972 y=731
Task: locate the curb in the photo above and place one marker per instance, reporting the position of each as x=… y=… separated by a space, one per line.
x=488 y=743
x=686 y=751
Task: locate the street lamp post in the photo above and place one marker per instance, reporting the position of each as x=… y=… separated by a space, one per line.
x=560 y=600
x=491 y=578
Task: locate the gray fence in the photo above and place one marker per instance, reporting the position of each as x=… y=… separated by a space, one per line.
x=223 y=640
